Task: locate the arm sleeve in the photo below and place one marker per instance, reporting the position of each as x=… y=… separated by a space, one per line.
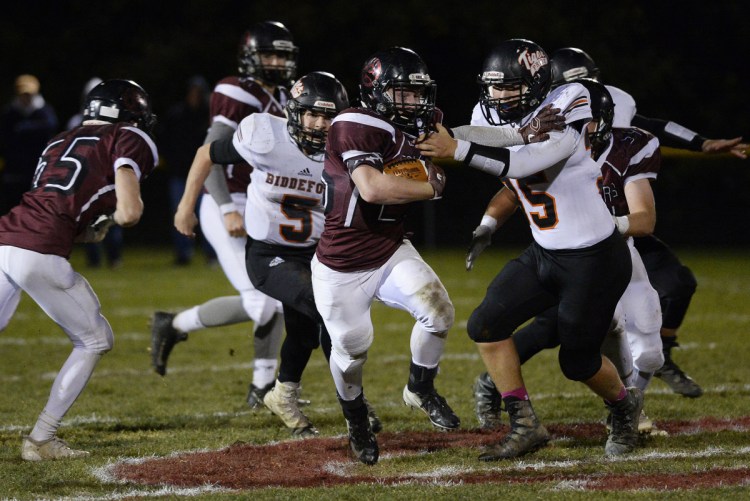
x=527 y=160
x=216 y=182
x=489 y=136
x=670 y=134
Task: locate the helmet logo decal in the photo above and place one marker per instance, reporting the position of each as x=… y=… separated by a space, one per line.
x=419 y=78
x=575 y=73
x=371 y=72
x=109 y=111
x=298 y=89
x=283 y=45
x=328 y=105
x=493 y=76
x=533 y=61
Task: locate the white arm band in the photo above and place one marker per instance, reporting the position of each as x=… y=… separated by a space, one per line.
x=622 y=223
x=227 y=208
x=490 y=222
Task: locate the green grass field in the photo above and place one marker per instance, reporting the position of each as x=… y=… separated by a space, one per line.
x=128 y=411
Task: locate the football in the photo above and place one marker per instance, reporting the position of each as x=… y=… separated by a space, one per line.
x=410 y=168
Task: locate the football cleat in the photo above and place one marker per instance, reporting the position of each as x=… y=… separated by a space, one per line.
x=488 y=404
x=363 y=446
x=526 y=434
x=163 y=339
x=437 y=409
x=375 y=423
x=255 y=395
x=54 y=448
x=282 y=401
x=623 y=437
x=678 y=381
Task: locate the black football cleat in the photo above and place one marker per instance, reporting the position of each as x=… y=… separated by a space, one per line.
x=163 y=339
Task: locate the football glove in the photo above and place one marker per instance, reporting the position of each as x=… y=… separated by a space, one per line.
x=480 y=239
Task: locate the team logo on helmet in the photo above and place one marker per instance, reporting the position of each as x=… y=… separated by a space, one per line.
x=298 y=89
x=533 y=61
x=371 y=72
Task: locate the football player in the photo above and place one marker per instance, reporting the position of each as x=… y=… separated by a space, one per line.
x=267 y=64
x=364 y=255
x=87 y=180
x=674 y=281
x=284 y=220
x=577 y=262
x=629 y=160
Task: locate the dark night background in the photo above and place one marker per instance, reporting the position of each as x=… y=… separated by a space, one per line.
x=684 y=61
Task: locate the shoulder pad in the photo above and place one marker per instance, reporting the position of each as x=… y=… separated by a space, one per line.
x=256 y=132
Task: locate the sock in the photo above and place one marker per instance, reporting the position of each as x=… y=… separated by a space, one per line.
x=620 y=397
x=264 y=371
x=69 y=383
x=641 y=379
x=515 y=395
x=188 y=321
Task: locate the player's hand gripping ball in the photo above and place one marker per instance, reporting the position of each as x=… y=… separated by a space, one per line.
x=410 y=168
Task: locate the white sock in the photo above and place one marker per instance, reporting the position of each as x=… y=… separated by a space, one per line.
x=264 y=371
x=188 y=321
x=69 y=383
x=426 y=347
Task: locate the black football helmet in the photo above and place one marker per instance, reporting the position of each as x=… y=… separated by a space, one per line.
x=119 y=101
x=569 y=64
x=268 y=37
x=386 y=75
x=317 y=92
x=516 y=64
x=603 y=111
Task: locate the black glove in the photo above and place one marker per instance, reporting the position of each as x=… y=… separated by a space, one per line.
x=480 y=239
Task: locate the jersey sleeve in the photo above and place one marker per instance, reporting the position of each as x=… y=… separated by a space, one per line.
x=135 y=149
x=358 y=139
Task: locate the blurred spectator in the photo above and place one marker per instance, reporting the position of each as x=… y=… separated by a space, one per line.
x=113 y=241
x=179 y=135
x=26 y=124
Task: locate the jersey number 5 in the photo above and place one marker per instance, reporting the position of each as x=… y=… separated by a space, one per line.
x=546 y=217
x=300 y=209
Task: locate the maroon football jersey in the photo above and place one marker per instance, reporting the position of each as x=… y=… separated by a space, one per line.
x=232 y=100
x=359 y=235
x=633 y=154
x=74 y=183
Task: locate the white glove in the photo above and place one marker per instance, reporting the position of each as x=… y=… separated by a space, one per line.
x=480 y=239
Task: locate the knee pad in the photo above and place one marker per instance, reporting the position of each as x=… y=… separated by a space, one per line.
x=348 y=363
x=439 y=313
x=353 y=343
x=259 y=307
x=647 y=351
x=578 y=365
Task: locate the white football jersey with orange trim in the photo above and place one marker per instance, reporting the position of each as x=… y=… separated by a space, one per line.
x=284 y=199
